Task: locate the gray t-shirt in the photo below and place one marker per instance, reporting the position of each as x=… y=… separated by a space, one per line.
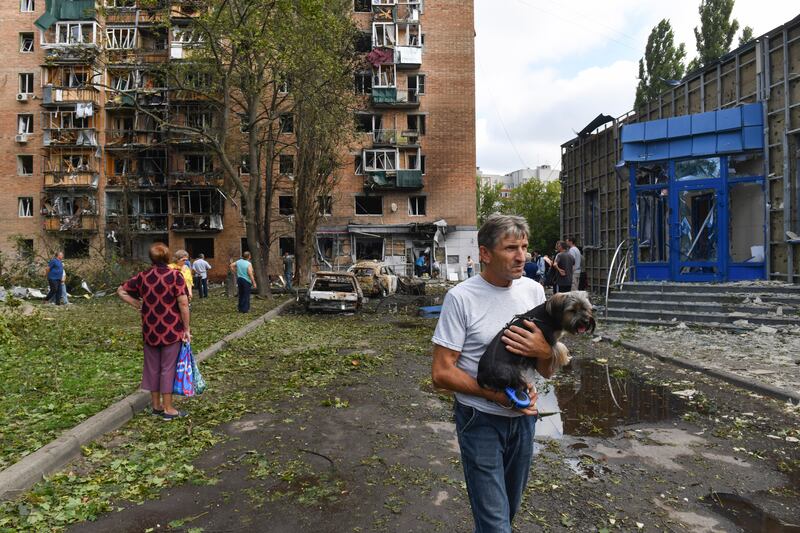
x=473 y=312
x=576 y=258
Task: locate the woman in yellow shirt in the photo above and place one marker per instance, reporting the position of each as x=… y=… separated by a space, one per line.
x=181 y=257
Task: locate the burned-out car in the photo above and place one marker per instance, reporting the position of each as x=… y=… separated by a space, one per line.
x=375 y=278
x=334 y=291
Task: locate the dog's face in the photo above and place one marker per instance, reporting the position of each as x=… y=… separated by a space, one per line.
x=573 y=311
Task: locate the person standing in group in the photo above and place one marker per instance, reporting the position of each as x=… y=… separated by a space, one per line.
x=201 y=268
x=245 y=281
x=539 y=260
x=179 y=263
x=495 y=439
x=470 y=266
x=531 y=268
x=577 y=259
x=564 y=264
x=288 y=268
x=55 y=275
x=159 y=294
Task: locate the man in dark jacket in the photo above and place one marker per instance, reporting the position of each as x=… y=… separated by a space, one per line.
x=564 y=264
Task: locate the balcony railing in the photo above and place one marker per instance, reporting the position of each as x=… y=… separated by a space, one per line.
x=65 y=180
x=133 y=138
x=85 y=223
x=408 y=56
x=212 y=178
x=148 y=223
x=69 y=137
x=395 y=137
x=392 y=180
x=144 y=97
x=136 y=181
x=69 y=95
x=188 y=223
x=393 y=97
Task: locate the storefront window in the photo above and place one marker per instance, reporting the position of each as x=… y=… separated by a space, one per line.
x=651 y=174
x=743 y=165
x=653 y=223
x=697 y=169
x=746 y=227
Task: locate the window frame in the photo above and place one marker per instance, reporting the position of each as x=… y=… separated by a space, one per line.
x=29 y=128
x=355 y=205
x=29 y=4
x=31 y=77
x=21 y=166
x=22 y=39
x=24 y=206
x=414 y=204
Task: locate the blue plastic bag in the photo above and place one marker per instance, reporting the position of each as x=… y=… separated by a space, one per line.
x=199 y=382
x=184 y=384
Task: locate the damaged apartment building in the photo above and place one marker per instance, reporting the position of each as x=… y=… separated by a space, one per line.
x=87 y=171
x=701 y=184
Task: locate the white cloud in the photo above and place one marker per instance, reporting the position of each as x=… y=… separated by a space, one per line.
x=548 y=68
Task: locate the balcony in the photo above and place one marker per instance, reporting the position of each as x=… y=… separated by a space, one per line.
x=401 y=179
x=186 y=8
x=132 y=139
x=121 y=12
x=408 y=57
x=53 y=95
x=72 y=179
x=136 y=181
x=129 y=98
x=395 y=138
x=138 y=224
x=391 y=97
x=212 y=178
x=144 y=53
x=197 y=223
x=80 y=223
x=69 y=137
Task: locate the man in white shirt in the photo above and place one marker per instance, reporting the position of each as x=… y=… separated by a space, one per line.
x=496 y=440
x=201 y=268
x=578 y=259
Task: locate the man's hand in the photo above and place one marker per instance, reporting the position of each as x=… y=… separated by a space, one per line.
x=502 y=399
x=527 y=341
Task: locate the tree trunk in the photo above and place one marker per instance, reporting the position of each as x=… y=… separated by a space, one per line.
x=256 y=256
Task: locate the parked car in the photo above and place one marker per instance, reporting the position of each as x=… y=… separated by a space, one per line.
x=334 y=291
x=375 y=278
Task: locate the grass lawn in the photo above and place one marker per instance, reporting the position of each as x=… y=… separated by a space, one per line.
x=64 y=364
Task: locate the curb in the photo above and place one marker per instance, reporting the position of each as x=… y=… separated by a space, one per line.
x=730 y=377
x=23 y=474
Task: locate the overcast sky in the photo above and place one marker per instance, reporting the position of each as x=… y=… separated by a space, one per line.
x=546 y=68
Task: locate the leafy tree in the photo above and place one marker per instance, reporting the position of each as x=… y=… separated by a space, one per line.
x=716 y=31
x=489 y=199
x=540 y=203
x=746 y=36
x=662 y=61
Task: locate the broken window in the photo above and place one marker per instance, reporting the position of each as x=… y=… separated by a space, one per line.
x=200 y=120
x=197 y=163
x=369 y=248
x=197 y=246
x=27 y=6
x=383 y=34
x=363 y=83
x=364 y=122
x=369 y=205
x=422 y=164
x=591 y=220
x=653 y=224
x=26 y=82
x=25 y=165
x=25 y=206
x=743 y=165
x=286 y=123
x=376 y=160
x=25 y=249
x=244 y=164
x=416 y=205
x=26 y=42
x=121 y=38
x=358 y=166
x=286 y=244
x=286 y=164
x=76 y=248
x=416 y=86
x=384 y=76
x=362 y=6
x=747 y=223
x=363 y=42
x=286 y=205
x=75 y=33
x=325 y=205
x=24 y=124
x=651 y=174
x=697 y=217
x=697 y=169
x=416 y=123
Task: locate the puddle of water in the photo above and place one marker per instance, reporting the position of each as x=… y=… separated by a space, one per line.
x=590 y=408
x=747 y=515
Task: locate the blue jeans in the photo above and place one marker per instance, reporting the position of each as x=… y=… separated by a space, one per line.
x=244 y=294
x=288 y=275
x=203 y=287
x=496 y=453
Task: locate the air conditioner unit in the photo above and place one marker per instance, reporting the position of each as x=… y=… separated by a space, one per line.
x=23 y=97
x=21 y=138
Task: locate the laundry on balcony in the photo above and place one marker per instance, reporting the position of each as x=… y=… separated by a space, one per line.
x=83 y=110
x=381 y=56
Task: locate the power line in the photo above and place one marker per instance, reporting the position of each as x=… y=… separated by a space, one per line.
x=497 y=111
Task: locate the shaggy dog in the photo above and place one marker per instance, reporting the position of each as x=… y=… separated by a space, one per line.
x=569 y=312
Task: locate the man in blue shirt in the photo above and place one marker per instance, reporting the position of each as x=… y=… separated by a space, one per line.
x=55 y=275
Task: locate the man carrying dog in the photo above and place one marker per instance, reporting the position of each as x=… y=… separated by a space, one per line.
x=496 y=440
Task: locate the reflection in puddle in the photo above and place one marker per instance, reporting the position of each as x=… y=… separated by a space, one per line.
x=746 y=514
x=590 y=408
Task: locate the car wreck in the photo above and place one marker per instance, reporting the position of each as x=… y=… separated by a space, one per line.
x=334 y=291
x=375 y=278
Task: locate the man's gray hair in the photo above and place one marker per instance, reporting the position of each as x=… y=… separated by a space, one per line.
x=498 y=226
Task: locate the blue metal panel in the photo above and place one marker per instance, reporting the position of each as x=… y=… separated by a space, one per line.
x=704 y=122
x=746 y=271
x=633 y=132
x=704 y=144
x=679 y=148
x=729 y=142
x=679 y=126
x=752 y=115
x=729 y=119
x=652 y=272
x=753 y=137
x=633 y=151
x=655 y=129
x=657 y=150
